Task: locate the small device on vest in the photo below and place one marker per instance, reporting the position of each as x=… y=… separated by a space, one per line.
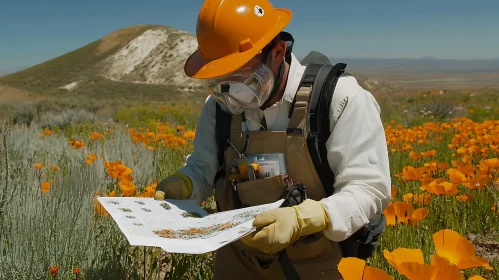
x=294 y=195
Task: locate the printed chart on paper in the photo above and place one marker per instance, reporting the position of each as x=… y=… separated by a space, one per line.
x=179 y=226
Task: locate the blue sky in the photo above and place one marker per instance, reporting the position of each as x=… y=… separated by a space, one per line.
x=34 y=31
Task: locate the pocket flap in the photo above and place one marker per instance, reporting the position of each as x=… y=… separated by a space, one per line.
x=262 y=191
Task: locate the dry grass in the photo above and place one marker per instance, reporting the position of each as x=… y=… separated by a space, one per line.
x=9 y=94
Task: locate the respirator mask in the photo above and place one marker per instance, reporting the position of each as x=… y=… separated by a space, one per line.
x=248 y=87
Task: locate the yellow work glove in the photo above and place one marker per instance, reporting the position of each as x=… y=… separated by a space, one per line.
x=278 y=228
x=176 y=186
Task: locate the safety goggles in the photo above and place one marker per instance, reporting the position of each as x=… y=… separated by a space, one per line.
x=248 y=87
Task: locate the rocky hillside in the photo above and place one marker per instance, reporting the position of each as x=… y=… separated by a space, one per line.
x=157 y=56
x=145 y=54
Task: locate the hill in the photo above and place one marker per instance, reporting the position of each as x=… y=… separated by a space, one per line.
x=422 y=65
x=134 y=66
x=147 y=54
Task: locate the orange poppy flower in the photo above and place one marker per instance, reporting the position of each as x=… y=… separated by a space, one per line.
x=95 y=135
x=410 y=173
x=77 y=144
x=53 y=270
x=410 y=263
x=45 y=186
x=455 y=176
x=356 y=269
x=464 y=197
x=441 y=187
x=415 y=156
x=457 y=250
x=403 y=213
x=127 y=187
x=490 y=164
x=394 y=192
x=478 y=182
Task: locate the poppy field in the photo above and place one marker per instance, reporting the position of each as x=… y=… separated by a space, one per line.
x=442 y=223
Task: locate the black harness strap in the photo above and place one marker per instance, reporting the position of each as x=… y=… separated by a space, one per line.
x=318 y=121
x=287 y=267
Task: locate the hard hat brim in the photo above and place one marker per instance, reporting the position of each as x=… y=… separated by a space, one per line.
x=198 y=67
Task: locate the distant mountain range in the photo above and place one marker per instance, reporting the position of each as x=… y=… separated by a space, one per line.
x=426 y=73
x=419 y=65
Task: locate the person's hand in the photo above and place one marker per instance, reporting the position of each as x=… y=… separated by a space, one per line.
x=176 y=186
x=280 y=227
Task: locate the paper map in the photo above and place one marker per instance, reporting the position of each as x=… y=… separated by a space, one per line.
x=180 y=226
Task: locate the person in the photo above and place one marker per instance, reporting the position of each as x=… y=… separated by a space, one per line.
x=244 y=57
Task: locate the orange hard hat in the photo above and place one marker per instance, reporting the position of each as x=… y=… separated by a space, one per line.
x=230 y=33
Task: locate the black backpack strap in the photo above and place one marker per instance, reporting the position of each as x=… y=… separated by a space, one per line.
x=318 y=121
x=323 y=79
x=363 y=242
x=287 y=267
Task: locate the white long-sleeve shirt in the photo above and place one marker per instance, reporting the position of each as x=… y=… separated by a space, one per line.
x=357 y=152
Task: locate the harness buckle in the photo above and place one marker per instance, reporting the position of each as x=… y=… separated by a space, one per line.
x=294 y=195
